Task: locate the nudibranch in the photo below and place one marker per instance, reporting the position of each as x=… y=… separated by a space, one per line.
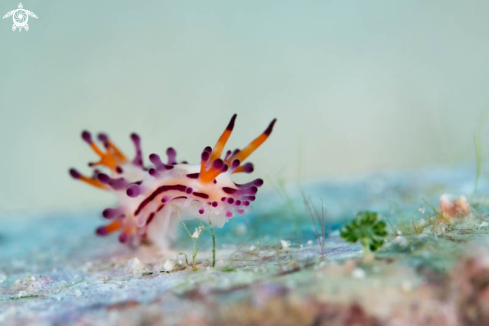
x=152 y=199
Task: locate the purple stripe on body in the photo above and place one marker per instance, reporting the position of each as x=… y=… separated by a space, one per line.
x=201 y=195
x=157 y=192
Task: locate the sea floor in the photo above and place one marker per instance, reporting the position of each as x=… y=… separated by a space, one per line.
x=269 y=268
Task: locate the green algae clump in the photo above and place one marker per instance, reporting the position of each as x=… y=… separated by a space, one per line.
x=366 y=228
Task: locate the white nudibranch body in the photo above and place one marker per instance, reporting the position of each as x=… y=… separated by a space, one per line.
x=153 y=199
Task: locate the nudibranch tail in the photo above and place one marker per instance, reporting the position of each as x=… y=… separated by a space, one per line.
x=152 y=198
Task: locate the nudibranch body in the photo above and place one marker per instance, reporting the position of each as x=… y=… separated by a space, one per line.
x=153 y=198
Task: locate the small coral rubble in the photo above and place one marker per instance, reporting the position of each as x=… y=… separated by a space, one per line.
x=453 y=207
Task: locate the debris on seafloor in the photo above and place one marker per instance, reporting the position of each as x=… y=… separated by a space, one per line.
x=135 y=266
x=452 y=206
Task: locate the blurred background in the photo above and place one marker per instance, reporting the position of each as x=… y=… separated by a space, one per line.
x=356 y=86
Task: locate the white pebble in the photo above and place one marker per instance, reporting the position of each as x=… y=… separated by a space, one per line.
x=135 y=266
x=285 y=244
x=168 y=265
x=358 y=273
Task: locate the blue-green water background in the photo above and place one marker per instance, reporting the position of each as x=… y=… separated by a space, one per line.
x=356 y=86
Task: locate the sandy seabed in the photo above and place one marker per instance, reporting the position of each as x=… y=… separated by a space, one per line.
x=269 y=268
